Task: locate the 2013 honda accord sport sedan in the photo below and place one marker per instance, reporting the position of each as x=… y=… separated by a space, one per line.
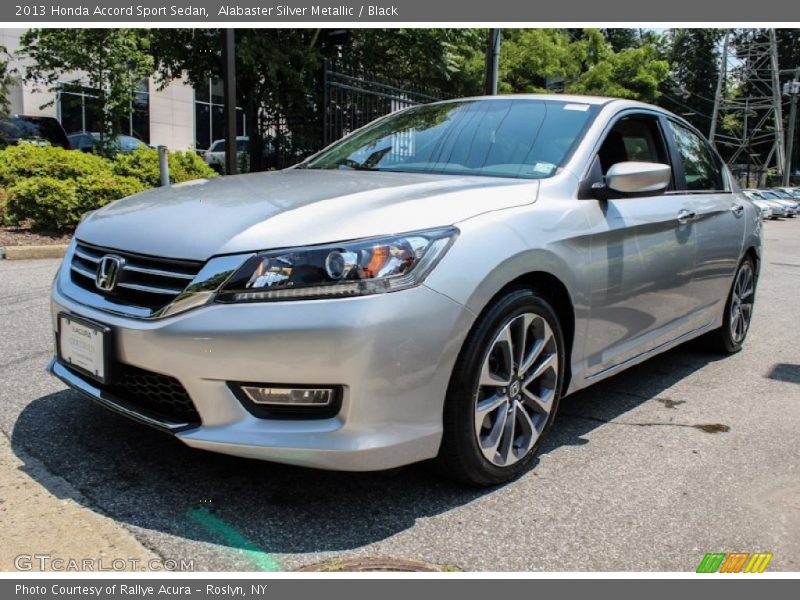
x=428 y=287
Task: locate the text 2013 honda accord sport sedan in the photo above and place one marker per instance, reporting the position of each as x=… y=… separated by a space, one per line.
x=428 y=287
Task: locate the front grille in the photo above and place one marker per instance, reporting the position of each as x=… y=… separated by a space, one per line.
x=156 y=394
x=144 y=281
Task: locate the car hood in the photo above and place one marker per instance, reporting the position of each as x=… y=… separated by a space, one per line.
x=295 y=207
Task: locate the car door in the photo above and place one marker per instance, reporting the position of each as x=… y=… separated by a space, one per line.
x=719 y=221
x=84 y=143
x=642 y=250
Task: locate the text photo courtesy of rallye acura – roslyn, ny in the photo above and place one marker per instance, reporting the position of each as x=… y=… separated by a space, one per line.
x=140 y=590
x=188 y=10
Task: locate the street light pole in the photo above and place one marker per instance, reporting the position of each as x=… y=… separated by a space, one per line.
x=229 y=93
x=793 y=90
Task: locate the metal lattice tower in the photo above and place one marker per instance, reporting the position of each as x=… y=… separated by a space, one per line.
x=747 y=121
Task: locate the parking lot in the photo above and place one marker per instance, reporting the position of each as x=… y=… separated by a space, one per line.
x=686 y=454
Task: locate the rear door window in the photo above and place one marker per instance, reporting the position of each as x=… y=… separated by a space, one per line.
x=701 y=166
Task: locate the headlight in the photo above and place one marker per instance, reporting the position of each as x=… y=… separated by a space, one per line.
x=357 y=268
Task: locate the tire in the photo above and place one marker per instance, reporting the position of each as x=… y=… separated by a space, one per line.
x=730 y=338
x=489 y=380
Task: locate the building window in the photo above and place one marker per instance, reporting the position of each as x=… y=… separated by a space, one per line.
x=79 y=110
x=209 y=115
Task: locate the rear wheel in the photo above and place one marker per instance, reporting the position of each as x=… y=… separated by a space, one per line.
x=504 y=391
x=729 y=338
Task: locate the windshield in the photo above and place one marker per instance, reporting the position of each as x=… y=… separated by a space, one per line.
x=521 y=138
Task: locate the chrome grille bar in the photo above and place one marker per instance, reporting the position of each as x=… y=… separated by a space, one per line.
x=143 y=282
x=150 y=290
x=158 y=272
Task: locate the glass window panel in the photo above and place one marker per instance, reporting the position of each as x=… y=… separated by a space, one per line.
x=71 y=112
x=217 y=91
x=217 y=122
x=700 y=166
x=202 y=126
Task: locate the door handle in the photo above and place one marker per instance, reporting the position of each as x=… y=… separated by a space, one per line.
x=737 y=209
x=685 y=216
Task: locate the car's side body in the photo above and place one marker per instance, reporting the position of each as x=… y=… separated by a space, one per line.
x=640 y=281
x=90 y=141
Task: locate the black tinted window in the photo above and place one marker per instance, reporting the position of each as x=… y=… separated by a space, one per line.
x=633 y=138
x=700 y=166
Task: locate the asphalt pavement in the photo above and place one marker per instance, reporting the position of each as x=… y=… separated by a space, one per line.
x=686 y=454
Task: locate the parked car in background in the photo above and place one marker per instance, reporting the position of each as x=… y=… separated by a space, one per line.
x=793 y=192
x=215 y=155
x=766 y=209
x=786 y=196
x=89 y=142
x=778 y=209
x=792 y=208
x=428 y=287
x=32 y=129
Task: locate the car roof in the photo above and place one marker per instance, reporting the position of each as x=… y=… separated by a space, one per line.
x=594 y=100
x=33 y=117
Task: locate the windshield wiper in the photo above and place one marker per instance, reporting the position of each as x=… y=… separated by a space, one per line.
x=368 y=164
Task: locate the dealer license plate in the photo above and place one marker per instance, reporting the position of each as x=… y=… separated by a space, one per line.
x=83 y=345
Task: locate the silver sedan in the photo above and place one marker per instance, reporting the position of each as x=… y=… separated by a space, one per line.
x=429 y=287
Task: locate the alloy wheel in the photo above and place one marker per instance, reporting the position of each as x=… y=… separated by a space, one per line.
x=516 y=389
x=741 y=309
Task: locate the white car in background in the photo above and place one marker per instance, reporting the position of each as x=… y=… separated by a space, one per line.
x=793 y=192
x=215 y=155
x=766 y=209
x=786 y=198
x=778 y=208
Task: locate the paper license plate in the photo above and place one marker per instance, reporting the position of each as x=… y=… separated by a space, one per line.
x=83 y=346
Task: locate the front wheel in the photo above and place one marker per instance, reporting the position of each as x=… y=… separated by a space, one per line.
x=504 y=391
x=729 y=338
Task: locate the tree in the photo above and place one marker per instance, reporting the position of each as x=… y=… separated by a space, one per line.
x=449 y=60
x=620 y=38
x=277 y=74
x=5 y=81
x=111 y=61
x=584 y=61
x=279 y=71
x=689 y=89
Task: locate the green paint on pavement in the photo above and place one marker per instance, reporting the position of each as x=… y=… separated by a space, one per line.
x=230 y=536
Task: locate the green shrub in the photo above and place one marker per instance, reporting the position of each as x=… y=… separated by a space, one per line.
x=24 y=161
x=186 y=166
x=3 y=200
x=51 y=188
x=44 y=202
x=50 y=204
x=95 y=191
x=143 y=165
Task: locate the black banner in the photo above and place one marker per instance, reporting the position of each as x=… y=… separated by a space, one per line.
x=394 y=11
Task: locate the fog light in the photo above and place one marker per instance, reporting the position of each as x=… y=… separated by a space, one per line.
x=274 y=396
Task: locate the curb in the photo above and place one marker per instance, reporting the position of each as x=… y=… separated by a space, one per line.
x=26 y=252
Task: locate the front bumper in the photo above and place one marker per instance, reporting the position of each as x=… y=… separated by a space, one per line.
x=391 y=353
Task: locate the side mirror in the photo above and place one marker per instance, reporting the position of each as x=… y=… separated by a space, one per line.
x=636 y=178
